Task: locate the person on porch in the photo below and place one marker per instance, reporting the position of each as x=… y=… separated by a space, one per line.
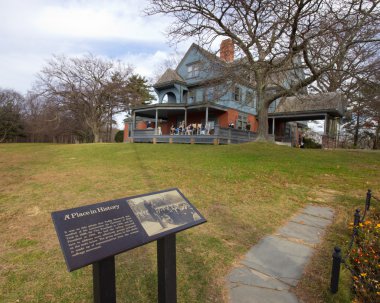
x=203 y=129
x=189 y=130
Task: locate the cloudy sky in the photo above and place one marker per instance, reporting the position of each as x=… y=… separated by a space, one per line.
x=32 y=31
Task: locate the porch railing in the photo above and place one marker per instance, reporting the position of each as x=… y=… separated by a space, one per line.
x=219 y=135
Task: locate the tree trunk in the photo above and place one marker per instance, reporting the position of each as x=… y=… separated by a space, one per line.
x=96 y=132
x=96 y=136
x=262 y=131
x=377 y=137
x=3 y=137
x=357 y=126
x=110 y=130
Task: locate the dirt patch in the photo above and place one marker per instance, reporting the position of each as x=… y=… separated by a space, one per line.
x=324 y=196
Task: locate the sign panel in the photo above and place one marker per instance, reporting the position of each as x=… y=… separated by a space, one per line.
x=94 y=232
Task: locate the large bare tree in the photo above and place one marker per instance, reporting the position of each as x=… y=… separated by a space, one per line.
x=364 y=110
x=93 y=89
x=354 y=77
x=276 y=37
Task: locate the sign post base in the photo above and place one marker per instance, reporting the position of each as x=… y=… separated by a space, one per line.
x=166 y=263
x=103 y=273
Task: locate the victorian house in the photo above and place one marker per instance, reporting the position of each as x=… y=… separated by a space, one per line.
x=196 y=104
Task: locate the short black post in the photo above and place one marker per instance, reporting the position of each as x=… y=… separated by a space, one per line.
x=337 y=260
x=368 y=200
x=103 y=273
x=166 y=263
x=356 y=221
x=357 y=217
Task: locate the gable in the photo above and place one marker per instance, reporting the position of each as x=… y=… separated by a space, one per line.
x=196 y=65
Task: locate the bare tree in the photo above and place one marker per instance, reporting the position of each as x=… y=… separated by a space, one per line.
x=88 y=87
x=352 y=76
x=364 y=123
x=46 y=121
x=276 y=37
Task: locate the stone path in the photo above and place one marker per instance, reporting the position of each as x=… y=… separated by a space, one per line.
x=277 y=262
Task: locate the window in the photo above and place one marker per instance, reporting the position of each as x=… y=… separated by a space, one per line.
x=191 y=97
x=241 y=122
x=193 y=70
x=249 y=98
x=199 y=97
x=210 y=94
x=237 y=94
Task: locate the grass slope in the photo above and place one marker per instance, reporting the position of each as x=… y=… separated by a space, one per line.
x=245 y=192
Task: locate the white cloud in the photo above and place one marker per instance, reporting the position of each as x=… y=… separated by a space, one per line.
x=146 y=63
x=18 y=71
x=100 y=20
x=31 y=31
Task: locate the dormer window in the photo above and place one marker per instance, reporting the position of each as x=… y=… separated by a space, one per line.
x=193 y=70
x=237 y=94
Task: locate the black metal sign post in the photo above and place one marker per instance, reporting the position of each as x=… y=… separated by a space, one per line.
x=94 y=234
x=103 y=273
x=166 y=266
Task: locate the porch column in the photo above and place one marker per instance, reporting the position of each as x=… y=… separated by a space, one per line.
x=273 y=125
x=185 y=117
x=326 y=122
x=336 y=123
x=206 y=120
x=133 y=124
x=337 y=132
x=156 y=122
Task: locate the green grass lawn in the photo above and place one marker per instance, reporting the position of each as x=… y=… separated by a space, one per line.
x=244 y=191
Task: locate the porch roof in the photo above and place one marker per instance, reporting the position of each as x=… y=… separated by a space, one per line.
x=305 y=115
x=169 y=78
x=149 y=111
x=330 y=103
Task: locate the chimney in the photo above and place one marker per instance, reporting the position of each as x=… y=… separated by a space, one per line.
x=227 y=50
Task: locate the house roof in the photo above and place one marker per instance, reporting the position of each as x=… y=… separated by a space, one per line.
x=331 y=101
x=169 y=76
x=201 y=50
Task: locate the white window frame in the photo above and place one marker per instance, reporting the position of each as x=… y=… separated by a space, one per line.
x=193 y=70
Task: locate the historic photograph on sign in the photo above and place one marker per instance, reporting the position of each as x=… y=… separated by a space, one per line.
x=163 y=211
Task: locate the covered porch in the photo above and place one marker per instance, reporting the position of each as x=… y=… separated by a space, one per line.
x=182 y=123
x=287 y=121
x=288 y=127
x=163 y=117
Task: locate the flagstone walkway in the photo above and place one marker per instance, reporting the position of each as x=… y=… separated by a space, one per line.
x=276 y=263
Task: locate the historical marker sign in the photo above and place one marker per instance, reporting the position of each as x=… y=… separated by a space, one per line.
x=91 y=233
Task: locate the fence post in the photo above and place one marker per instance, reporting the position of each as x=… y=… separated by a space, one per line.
x=337 y=260
x=368 y=200
x=357 y=217
x=356 y=221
